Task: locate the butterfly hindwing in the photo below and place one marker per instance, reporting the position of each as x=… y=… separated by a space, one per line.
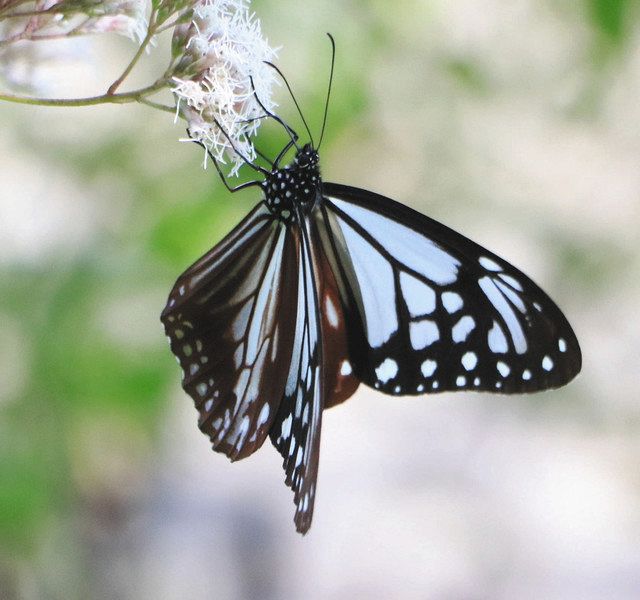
x=430 y=310
x=296 y=433
x=227 y=323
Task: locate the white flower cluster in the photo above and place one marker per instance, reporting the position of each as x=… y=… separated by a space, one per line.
x=224 y=50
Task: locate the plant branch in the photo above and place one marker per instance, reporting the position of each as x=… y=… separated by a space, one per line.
x=124 y=98
x=158 y=105
x=150 y=33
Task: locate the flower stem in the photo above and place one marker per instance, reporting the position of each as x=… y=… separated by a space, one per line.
x=150 y=33
x=135 y=96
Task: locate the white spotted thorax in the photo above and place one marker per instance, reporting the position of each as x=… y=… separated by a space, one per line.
x=324 y=287
x=298 y=184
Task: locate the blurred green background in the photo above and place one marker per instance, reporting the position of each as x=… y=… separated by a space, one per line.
x=517 y=123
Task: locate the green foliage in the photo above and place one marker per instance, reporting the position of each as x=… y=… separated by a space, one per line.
x=609 y=16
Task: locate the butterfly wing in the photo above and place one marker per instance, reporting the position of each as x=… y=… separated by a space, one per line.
x=296 y=432
x=227 y=319
x=430 y=310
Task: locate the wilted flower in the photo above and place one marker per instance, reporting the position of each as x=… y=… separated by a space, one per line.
x=126 y=17
x=22 y=62
x=61 y=18
x=64 y=17
x=222 y=49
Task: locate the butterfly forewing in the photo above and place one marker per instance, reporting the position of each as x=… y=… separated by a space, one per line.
x=227 y=320
x=430 y=310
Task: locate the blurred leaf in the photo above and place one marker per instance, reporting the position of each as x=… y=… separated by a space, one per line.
x=467 y=74
x=610 y=18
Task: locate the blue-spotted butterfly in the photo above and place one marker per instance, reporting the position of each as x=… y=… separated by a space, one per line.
x=325 y=286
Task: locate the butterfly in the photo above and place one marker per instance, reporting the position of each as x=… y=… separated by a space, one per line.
x=324 y=287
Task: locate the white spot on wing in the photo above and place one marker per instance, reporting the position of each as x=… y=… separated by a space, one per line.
x=526 y=374
x=497 y=340
x=242 y=432
x=263 y=417
x=375 y=277
x=469 y=361
x=562 y=345
x=503 y=368
x=420 y=298
x=516 y=300
x=345 y=368
x=285 y=430
x=490 y=265
x=461 y=330
x=387 y=370
x=429 y=367
x=461 y=380
x=547 y=363
x=332 y=313
x=239 y=325
x=423 y=334
x=264 y=296
x=452 y=302
x=503 y=307
x=241 y=385
x=305 y=414
x=237 y=356
x=514 y=283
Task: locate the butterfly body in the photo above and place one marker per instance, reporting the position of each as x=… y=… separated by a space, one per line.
x=323 y=287
x=295 y=188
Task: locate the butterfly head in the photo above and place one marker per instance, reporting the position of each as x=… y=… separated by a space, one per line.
x=306 y=158
x=297 y=184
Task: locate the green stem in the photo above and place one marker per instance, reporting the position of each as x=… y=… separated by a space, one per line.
x=158 y=105
x=135 y=96
x=150 y=33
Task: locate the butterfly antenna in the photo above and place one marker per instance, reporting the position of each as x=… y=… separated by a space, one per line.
x=326 y=105
x=279 y=72
x=292 y=134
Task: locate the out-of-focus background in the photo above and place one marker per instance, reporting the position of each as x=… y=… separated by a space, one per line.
x=517 y=123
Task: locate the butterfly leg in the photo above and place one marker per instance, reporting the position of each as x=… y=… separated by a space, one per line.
x=237 y=188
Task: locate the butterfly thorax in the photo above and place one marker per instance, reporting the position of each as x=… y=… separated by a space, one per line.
x=297 y=184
